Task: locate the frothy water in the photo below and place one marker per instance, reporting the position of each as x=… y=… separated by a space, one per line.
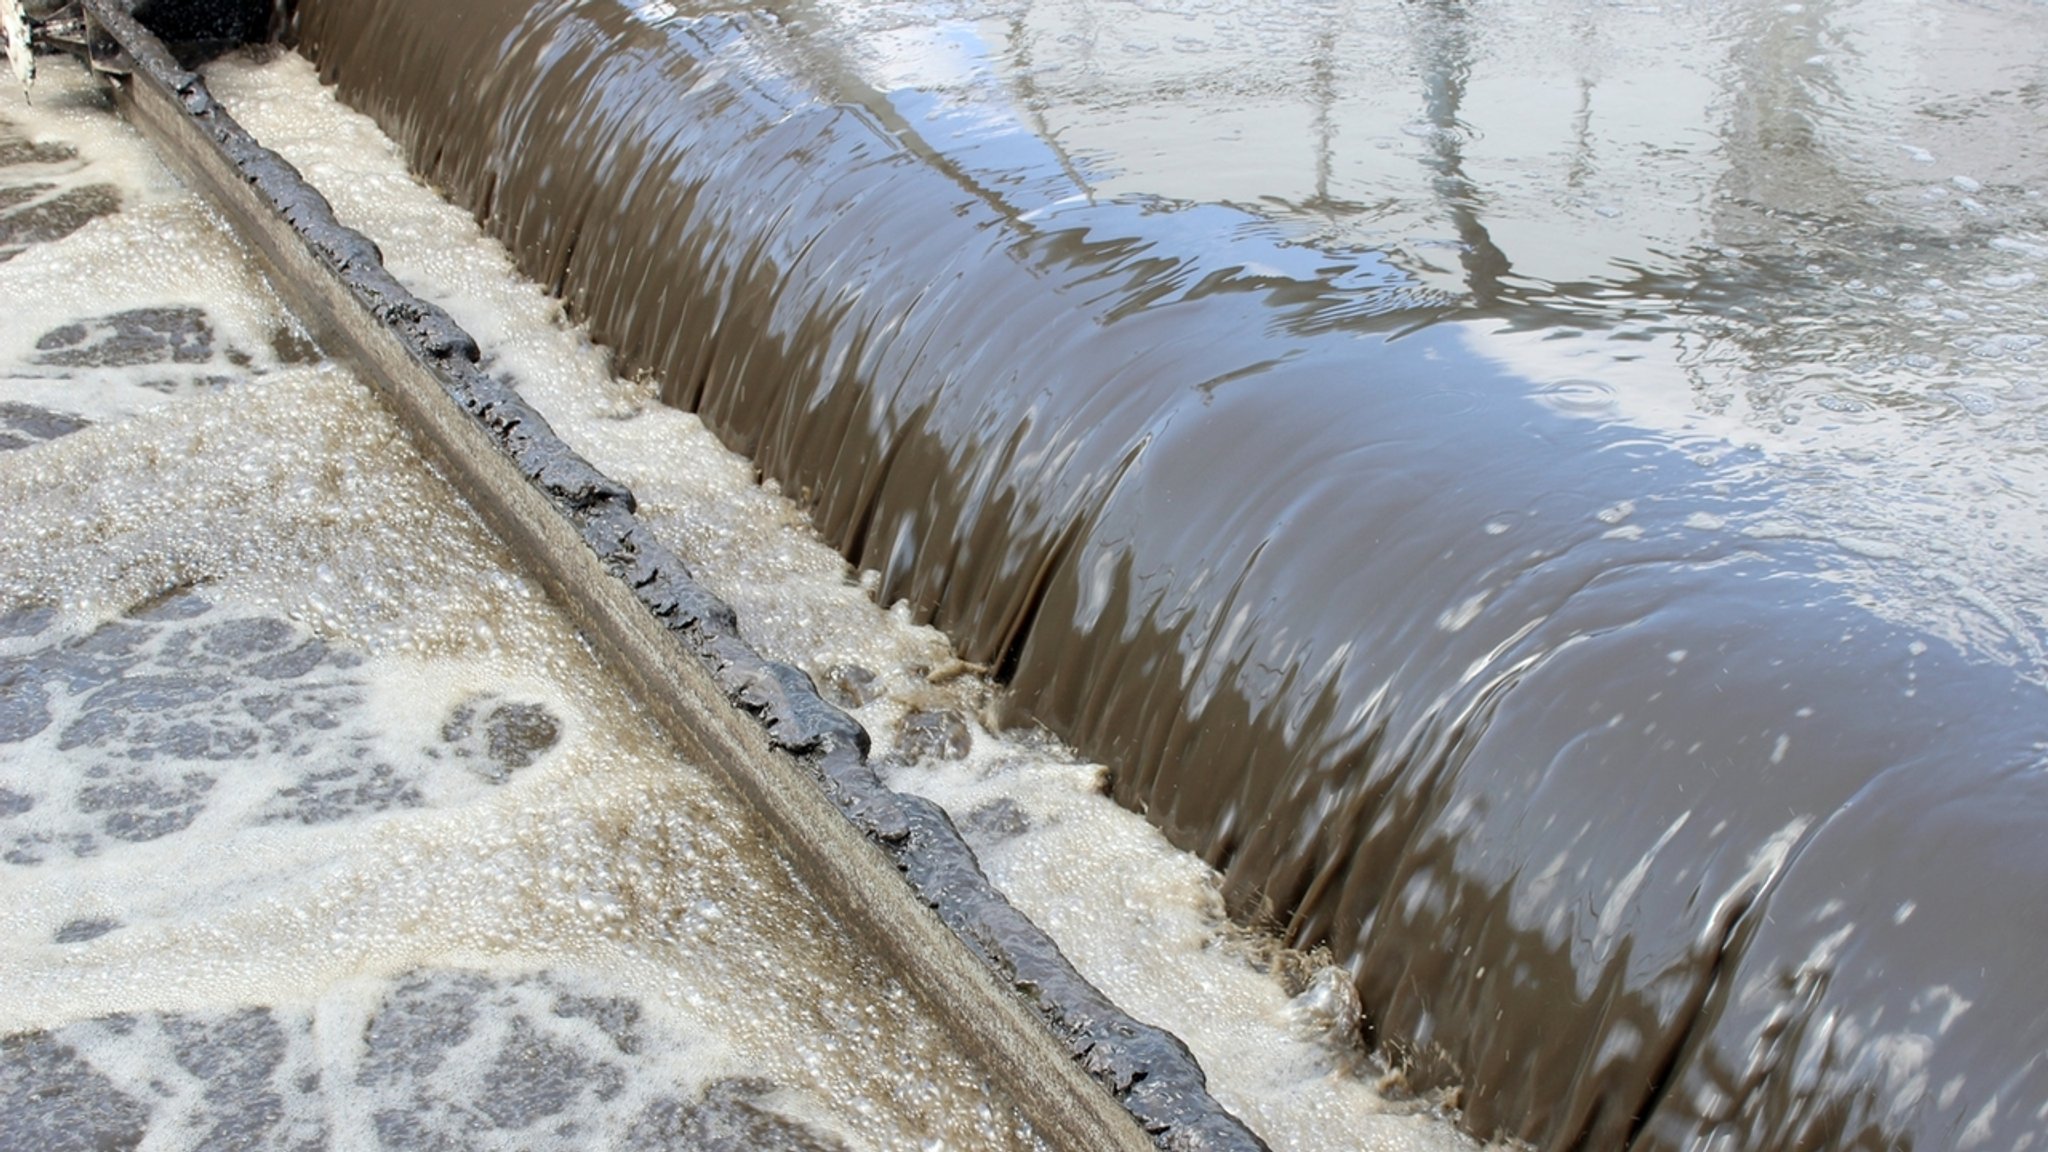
x=447 y=1057
x=318 y=825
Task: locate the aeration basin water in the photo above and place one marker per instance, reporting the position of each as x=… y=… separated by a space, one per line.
x=1545 y=499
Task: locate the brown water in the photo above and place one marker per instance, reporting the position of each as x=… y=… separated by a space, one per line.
x=1620 y=647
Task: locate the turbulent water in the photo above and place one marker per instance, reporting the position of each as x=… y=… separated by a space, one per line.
x=321 y=829
x=1545 y=498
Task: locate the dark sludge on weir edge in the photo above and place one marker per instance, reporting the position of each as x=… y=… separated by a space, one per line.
x=1146 y=1069
x=1638 y=833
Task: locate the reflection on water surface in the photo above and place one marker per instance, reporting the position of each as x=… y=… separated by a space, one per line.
x=1806 y=242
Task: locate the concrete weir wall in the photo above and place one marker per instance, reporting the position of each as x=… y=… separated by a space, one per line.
x=1647 y=832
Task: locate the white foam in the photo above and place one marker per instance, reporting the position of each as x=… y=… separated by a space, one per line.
x=160 y=251
x=605 y=854
x=353 y=753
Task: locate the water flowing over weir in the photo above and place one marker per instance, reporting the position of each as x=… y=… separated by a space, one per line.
x=1646 y=829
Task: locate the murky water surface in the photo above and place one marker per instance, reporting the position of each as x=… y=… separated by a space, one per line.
x=1545 y=498
x=1803 y=241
